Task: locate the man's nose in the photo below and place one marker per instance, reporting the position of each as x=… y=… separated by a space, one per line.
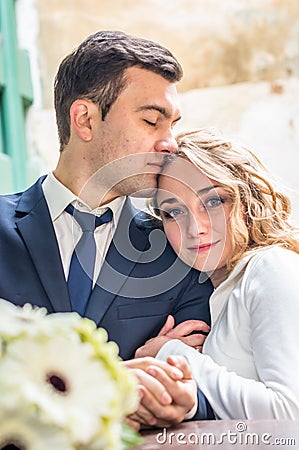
x=167 y=145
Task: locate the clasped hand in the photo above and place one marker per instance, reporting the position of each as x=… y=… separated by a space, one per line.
x=167 y=391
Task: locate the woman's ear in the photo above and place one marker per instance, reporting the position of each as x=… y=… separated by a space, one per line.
x=81 y=114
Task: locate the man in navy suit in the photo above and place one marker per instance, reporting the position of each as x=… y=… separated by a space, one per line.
x=116 y=105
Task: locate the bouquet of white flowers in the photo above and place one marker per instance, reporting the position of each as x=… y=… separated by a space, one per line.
x=62 y=386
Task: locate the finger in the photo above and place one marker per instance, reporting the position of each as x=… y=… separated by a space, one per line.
x=165 y=415
x=183 y=394
x=151 y=388
x=131 y=422
x=153 y=398
x=194 y=340
x=150 y=409
x=170 y=415
x=181 y=363
x=187 y=327
x=143 y=416
x=176 y=389
x=151 y=347
x=173 y=416
x=152 y=412
x=146 y=362
x=169 y=324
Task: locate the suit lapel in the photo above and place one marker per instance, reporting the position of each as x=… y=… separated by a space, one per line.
x=120 y=260
x=36 y=228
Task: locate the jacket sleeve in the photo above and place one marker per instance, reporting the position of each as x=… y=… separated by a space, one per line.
x=193 y=303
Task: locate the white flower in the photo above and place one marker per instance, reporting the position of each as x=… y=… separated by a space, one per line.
x=20 y=430
x=62 y=378
x=63 y=321
x=108 y=438
x=16 y=321
x=61 y=383
x=107 y=353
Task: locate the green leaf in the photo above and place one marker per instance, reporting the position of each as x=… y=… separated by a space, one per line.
x=129 y=437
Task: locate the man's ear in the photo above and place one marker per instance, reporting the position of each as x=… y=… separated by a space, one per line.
x=81 y=112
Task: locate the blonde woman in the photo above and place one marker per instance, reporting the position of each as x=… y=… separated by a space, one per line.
x=224 y=216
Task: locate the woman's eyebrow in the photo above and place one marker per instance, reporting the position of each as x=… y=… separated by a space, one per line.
x=207 y=189
x=172 y=200
x=169 y=200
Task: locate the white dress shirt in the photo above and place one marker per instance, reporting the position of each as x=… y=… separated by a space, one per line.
x=250 y=362
x=68 y=231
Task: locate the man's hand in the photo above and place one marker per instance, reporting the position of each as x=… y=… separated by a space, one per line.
x=169 y=331
x=167 y=391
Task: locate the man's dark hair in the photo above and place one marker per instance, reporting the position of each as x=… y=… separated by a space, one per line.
x=95 y=71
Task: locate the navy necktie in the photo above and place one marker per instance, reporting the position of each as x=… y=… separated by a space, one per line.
x=80 y=279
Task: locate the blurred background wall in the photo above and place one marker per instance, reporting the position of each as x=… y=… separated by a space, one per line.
x=240 y=60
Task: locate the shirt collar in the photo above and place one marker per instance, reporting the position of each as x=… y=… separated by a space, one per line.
x=59 y=196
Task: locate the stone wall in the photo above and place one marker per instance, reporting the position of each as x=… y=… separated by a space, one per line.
x=240 y=59
x=218 y=42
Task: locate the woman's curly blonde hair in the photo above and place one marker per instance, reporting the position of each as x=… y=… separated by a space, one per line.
x=260 y=212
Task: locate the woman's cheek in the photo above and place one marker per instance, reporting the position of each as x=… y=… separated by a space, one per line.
x=174 y=236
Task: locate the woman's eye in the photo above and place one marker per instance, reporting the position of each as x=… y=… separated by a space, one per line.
x=172 y=213
x=214 y=202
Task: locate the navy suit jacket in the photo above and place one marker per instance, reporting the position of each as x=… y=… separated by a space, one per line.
x=141 y=282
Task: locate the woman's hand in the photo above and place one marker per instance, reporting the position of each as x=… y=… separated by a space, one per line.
x=185 y=331
x=167 y=391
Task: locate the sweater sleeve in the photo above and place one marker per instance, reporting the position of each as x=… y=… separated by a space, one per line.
x=270 y=291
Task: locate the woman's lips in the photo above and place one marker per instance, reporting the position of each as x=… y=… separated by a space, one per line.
x=203 y=247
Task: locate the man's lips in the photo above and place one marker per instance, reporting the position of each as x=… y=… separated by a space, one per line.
x=156 y=166
x=201 y=248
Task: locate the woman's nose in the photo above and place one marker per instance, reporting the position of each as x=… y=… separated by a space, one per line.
x=199 y=223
